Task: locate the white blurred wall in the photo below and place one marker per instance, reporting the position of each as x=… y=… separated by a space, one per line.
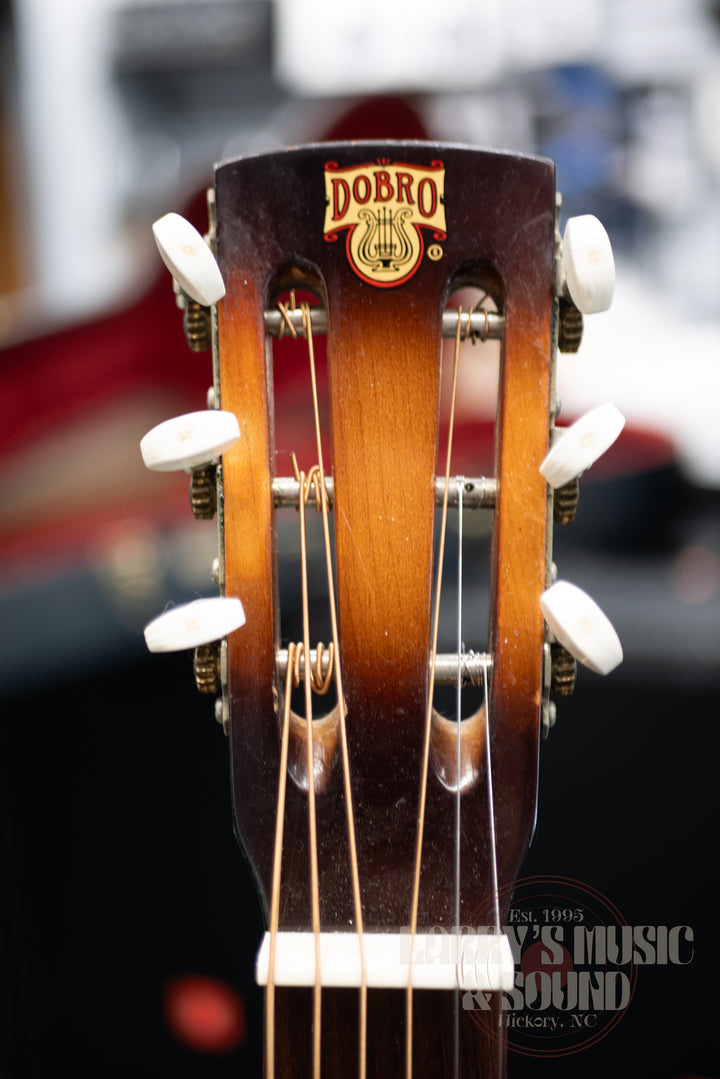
x=109 y=138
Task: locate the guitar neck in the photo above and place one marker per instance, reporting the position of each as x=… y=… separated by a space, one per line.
x=447 y=1039
x=383 y=385
x=379 y=828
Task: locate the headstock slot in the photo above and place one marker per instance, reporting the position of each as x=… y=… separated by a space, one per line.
x=296 y=448
x=458 y=754
x=475 y=291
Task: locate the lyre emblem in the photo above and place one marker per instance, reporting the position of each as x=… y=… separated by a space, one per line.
x=385 y=207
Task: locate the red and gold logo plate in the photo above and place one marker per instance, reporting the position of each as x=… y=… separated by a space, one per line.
x=385 y=208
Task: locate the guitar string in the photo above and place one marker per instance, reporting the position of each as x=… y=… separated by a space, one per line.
x=312 y=816
x=320 y=684
x=500 y=1038
x=293 y=668
x=490 y=794
x=493 y=849
x=473 y=337
x=491 y=799
x=342 y=710
x=277 y=864
x=458 y=796
x=428 y=715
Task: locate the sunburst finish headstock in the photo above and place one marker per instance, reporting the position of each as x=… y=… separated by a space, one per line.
x=378 y=237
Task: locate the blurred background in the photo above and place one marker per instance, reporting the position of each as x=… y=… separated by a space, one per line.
x=128 y=919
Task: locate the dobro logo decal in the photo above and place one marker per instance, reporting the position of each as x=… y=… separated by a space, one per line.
x=385 y=209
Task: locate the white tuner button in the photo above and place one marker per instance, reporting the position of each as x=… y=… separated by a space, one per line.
x=193 y=624
x=580 y=626
x=188 y=441
x=577 y=447
x=588 y=264
x=189 y=259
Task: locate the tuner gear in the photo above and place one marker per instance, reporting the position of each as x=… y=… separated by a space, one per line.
x=563 y=670
x=570 y=326
x=565 y=503
x=206 y=665
x=197 y=326
x=203 y=493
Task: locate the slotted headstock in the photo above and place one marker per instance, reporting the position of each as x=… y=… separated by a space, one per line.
x=383 y=350
x=413 y=818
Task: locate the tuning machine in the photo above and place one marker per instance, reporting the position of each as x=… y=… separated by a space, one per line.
x=585 y=277
x=194 y=443
x=581 y=627
x=579 y=630
x=574 y=450
x=198 y=280
x=203 y=626
x=584 y=284
x=586 y=267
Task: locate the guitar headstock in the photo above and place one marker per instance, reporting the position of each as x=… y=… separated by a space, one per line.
x=416 y=818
